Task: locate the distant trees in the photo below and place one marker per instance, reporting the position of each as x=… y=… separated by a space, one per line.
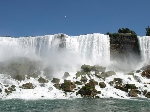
x=126 y=30
x=122 y=31
x=147 y=31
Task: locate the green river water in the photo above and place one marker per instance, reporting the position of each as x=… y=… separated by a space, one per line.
x=75 y=105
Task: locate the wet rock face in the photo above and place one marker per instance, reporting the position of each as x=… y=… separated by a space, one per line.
x=122 y=45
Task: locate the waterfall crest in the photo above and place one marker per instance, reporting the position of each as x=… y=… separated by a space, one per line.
x=91 y=47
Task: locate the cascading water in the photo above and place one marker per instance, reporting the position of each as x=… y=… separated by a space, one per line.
x=144 y=42
x=90 y=47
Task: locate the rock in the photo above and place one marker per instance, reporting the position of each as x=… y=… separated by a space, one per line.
x=28 y=86
x=102 y=85
x=84 y=79
x=144 y=92
x=134 y=93
x=118 y=80
x=42 y=80
x=146 y=73
x=8 y=91
x=86 y=68
x=97 y=97
x=57 y=86
x=78 y=83
x=87 y=91
x=137 y=78
x=138 y=71
x=98 y=68
x=107 y=74
x=148 y=95
x=66 y=74
x=131 y=73
x=92 y=82
x=130 y=86
x=55 y=80
x=121 y=87
x=111 y=83
x=80 y=73
x=19 y=77
x=68 y=86
x=0 y=90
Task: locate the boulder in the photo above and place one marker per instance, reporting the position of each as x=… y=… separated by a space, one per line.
x=92 y=82
x=121 y=87
x=42 y=80
x=148 y=95
x=84 y=79
x=131 y=73
x=66 y=74
x=87 y=91
x=102 y=85
x=55 y=80
x=98 y=68
x=118 y=80
x=144 y=92
x=107 y=74
x=146 y=73
x=78 y=83
x=86 y=68
x=68 y=86
x=80 y=73
x=57 y=86
x=28 y=86
x=0 y=90
x=130 y=86
x=8 y=91
x=134 y=93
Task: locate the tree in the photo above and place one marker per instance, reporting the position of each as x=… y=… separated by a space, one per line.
x=126 y=30
x=147 y=31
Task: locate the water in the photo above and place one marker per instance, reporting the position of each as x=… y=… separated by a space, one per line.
x=75 y=105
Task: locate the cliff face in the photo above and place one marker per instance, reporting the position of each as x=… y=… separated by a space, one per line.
x=124 y=46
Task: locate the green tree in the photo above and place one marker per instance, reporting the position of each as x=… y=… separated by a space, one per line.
x=147 y=31
x=126 y=30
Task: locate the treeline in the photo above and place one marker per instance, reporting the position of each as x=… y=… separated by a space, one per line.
x=127 y=32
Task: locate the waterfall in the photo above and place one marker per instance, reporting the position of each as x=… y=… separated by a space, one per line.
x=90 y=48
x=144 y=42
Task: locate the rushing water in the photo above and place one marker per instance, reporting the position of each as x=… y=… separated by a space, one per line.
x=75 y=105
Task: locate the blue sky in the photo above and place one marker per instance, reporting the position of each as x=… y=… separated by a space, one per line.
x=43 y=17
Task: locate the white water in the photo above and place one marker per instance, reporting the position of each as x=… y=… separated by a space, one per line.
x=144 y=42
x=93 y=47
x=90 y=48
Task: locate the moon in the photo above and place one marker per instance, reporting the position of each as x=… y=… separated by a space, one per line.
x=65 y=16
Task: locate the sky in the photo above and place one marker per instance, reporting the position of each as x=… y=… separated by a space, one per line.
x=72 y=17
